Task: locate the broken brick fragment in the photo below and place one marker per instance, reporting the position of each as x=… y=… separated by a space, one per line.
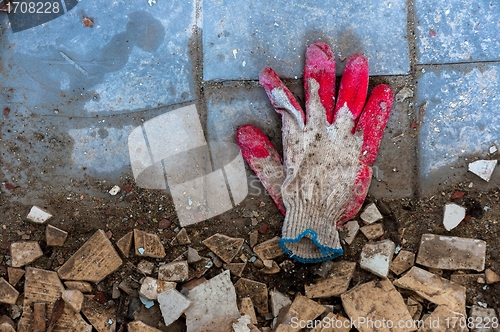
x=99 y=297
x=224 y=246
x=458 y=194
x=88 y=22
x=95 y=260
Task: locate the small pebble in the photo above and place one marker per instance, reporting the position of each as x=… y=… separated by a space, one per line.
x=88 y=22
x=164 y=223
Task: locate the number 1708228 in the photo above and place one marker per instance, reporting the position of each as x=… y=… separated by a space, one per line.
x=33 y=7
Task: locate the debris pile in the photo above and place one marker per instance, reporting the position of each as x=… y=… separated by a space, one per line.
x=213 y=293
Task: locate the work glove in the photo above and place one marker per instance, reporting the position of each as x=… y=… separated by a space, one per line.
x=328 y=151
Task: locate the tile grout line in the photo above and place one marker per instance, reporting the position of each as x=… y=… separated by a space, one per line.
x=202 y=108
x=412 y=55
x=196 y=50
x=198 y=55
x=456 y=63
x=196 y=46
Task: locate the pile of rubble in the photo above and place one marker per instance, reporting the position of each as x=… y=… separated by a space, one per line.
x=404 y=297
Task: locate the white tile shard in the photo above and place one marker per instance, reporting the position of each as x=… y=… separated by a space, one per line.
x=434 y=288
x=73 y=299
x=278 y=302
x=38 y=215
x=404 y=94
x=371 y=214
x=453 y=215
x=172 y=305
x=193 y=256
x=482 y=316
x=349 y=231
x=376 y=301
x=115 y=190
x=146 y=267
x=174 y=271
x=212 y=299
x=483 y=168
x=451 y=253
x=241 y=324
x=151 y=287
x=24 y=252
x=376 y=257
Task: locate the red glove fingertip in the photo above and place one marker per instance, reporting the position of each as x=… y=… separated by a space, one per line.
x=270 y=81
x=354 y=85
x=252 y=142
x=264 y=160
x=324 y=47
x=320 y=66
x=373 y=121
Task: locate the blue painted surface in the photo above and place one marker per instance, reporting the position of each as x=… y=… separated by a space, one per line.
x=461 y=122
x=457 y=31
x=75 y=93
x=229 y=108
x=241 y=38
x=134 y=58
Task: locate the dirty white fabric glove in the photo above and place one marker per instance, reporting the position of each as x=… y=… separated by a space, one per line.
x=327 y=152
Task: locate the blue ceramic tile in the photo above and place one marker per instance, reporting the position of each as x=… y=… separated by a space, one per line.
x=240 y=38
x=457 y=31
x=461 y=123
